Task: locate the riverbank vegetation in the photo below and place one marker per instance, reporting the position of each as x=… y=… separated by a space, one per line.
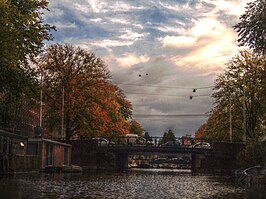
x=240 y=91
x=239 y=94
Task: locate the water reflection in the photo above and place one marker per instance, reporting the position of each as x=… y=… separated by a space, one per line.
x=132 y=184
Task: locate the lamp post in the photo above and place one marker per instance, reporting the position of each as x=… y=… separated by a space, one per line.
x=62 y=119
x=244 y=116
x=230 y=118
x=38 y=128
x=41 y=103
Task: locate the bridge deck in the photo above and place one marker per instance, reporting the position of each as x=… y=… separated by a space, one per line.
x=152 y=149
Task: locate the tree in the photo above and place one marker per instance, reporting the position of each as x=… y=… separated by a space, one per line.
x=243 y=84
x=118 y=110
x=168 y=137
x=252 y=27
x=21 y=88
x=77 y=89
x=217 y=125
x=70 y=76
x=22 y=35
x=135 y=128
x=147 y=136
x=253 y=154
x=200 y=132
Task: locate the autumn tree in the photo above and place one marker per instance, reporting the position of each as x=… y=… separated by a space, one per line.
x=200 y=132
x=252 y=26
x=135 y=128
x=218 y=125
x=22 y=34
x=239 y=88
x=118 y=111
x=69 y=77
x=77 y=88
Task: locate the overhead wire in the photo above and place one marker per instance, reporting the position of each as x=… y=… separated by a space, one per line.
x=154 y=116
x=170 y=116
x=133 y=93
x=171 y=87
x=167 y=87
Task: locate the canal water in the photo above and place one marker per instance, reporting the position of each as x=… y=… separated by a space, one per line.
x=138 y=183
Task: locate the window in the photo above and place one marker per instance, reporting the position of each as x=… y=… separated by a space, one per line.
x=1 y=144
x=65 y=156
x=49 y=154
x=5 y=148
x=33 y=149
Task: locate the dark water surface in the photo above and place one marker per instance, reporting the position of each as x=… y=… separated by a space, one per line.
x=132 y=184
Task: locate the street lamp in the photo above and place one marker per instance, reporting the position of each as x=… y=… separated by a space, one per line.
x=62 y=119
x=244 y=116
x=230 y=119
x=41 y=100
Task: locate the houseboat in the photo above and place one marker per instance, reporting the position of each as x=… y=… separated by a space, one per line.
x=54 y=156
x=20 y=154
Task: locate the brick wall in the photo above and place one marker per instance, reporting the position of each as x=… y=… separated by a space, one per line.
x=223 y=160
x=82 y=151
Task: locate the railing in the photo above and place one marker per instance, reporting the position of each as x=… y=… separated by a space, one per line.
x=25 y=163
x=152 y=141
x=247 y=176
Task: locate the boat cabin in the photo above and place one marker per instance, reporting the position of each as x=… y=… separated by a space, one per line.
x=52 y=154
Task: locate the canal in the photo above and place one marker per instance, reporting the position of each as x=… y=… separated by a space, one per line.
x=138 y=183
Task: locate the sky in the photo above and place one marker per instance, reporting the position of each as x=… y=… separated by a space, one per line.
x=158 y=52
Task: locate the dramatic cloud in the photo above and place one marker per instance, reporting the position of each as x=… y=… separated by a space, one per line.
x=210 y=45
x=178 y=41
x=130 y=60
x=158 y=51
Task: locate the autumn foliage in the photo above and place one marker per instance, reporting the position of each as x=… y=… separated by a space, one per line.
x=77 y=87
x=200 y=132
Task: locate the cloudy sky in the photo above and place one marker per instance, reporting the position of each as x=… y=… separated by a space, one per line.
x=158 y=51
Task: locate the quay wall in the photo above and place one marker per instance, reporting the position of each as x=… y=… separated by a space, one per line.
x=223 y=159
x=84 y=153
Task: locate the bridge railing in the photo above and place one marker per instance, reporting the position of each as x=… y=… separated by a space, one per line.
x=152 y=141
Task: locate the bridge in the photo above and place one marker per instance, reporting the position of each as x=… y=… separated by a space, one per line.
x=122 y=152
x=219 y=157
